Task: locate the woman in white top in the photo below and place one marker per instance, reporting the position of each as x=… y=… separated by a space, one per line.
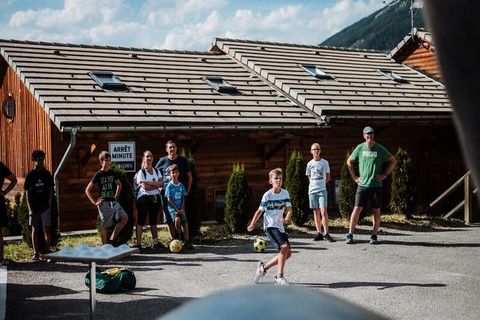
x=149 y=203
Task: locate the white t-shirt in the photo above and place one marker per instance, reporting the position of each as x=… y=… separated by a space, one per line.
x=317 y=172
x=274 y=205
x=155 y=176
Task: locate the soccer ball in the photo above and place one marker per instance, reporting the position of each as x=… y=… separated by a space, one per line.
x=175 y=246
x=259 y=245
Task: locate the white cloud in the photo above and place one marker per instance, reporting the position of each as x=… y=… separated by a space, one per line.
x=178 y=11
x=283 y=18
x=86 y=21
x=342 y=14
x=193 y=36
x=183 y=24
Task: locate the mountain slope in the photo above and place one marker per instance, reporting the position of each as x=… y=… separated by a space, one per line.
x=382 y=30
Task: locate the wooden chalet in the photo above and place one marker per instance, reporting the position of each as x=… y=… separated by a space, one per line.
x=352 y=88
x=245 y=101
x=418 y=52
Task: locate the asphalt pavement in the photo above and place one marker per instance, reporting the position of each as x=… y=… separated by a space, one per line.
x=409 y=275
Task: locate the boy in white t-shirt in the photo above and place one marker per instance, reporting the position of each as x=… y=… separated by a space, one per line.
x=277 y=207
x=318 y=172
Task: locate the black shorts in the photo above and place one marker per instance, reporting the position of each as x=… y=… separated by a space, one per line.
x=366 y=194
x=148 y=206
x=277 y=237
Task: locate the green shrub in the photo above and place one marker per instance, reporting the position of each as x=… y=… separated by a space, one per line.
x=402 y=197
x=348 y=188
x=126 y=201
x=296 y=182
x=13 y=228
x=21 y=209
x=237 y=200
x=191 y=203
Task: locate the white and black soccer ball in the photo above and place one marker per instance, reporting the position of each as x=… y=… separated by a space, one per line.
x=259 y=245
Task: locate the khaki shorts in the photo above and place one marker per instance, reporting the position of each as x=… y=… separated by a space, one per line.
x=43 y=219
x=110 y=213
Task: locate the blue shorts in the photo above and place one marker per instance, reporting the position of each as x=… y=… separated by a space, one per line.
x=277 y=237
x=174 y=215
x=318 y=199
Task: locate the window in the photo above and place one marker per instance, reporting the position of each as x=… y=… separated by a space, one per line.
x=314 y=71
x=9 y=108
x=220 y=85
x=391 y=75
x=108 y=81
x=219 y=195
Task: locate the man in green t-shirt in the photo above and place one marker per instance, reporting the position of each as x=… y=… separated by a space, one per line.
x=372 y=158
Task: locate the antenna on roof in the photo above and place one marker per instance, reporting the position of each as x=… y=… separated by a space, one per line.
x=414 y=4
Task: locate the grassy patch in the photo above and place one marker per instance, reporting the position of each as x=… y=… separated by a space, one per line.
x=212 y=233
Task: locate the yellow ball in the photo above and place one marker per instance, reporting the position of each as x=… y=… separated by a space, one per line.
x=176 y=246
x=259 y=245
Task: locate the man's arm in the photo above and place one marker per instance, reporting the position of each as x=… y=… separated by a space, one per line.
x=13 y=182
x=351 y=169
x=189 y=181
x=392 y=161
x=328 y=178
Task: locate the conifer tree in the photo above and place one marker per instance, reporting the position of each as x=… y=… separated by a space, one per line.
x=126 y=201
x=191 y=203
x=296 y=183
x=348 y=188
x=402 y=197
x=237 y=200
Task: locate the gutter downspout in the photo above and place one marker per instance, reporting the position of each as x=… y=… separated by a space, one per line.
x=71 y=146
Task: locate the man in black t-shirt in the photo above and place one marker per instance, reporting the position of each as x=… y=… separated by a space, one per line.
x=39 y=190
x=5 y=173
x=112 y=215
x=185 y=178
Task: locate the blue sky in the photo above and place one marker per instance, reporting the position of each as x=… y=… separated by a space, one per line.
x=178 y=24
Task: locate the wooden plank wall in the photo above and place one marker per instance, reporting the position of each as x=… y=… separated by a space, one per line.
x=30 y=129
x=434 y=151
x=424 y=60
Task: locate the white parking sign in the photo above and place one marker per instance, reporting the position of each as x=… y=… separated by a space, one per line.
x=123 y=154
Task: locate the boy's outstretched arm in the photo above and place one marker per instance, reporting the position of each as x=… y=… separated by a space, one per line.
x=288 y=216
x=255 y=218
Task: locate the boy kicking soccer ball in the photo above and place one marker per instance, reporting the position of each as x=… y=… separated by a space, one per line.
x=275 y=204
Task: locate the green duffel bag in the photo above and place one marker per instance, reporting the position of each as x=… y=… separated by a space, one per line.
x=113 y=280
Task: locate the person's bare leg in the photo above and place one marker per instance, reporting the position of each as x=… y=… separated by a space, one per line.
x=354 y=219
x=376 y=220
x=324 y=213
x=119 y=226
x=138 y=234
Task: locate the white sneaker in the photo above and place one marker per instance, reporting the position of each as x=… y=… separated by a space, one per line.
x=260 y=273
x=281 y=281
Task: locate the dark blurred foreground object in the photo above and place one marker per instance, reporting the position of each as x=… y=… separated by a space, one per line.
x=456 y=29
x=269 y=302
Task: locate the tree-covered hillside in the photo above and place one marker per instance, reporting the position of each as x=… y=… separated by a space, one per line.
x=382 y=30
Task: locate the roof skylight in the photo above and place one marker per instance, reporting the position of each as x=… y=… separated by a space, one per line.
x=108 y=81
x=314 y=71
x=220 y=85
x=391 y=75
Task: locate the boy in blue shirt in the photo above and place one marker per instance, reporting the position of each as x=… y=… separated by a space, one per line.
x=277 y=207
x=175 y=193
